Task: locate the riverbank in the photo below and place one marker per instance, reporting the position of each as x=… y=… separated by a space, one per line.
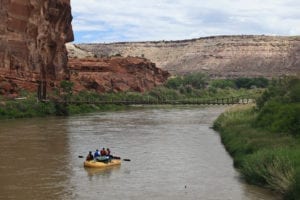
x=30 y=107
x=264 y=158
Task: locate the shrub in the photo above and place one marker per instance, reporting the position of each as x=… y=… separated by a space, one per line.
x=294 y=93
x=223 y=83
x=280 y=118
x=174 y=83
x=196 y=80
x=284 y=90
x=250 y=82
x=271 y=167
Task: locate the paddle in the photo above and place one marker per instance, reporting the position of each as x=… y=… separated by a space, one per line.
x=119 y=158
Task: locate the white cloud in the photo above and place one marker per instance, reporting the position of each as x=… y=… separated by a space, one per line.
x=136 y=20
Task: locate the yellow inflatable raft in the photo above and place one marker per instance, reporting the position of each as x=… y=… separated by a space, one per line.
x=96 y=164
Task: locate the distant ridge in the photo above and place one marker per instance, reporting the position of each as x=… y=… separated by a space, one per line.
x=192 y=39
x=219 y=56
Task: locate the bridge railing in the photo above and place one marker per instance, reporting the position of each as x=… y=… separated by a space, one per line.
x=148 y=100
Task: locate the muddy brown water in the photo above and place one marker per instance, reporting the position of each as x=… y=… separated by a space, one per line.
x=174 y=155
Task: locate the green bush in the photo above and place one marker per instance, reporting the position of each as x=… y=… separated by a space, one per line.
x=284 y=90
x=251 y=82
x=29 y=107
x=270 y=167
x=196 y=80
x=294 y=93
x=280 y=118
x=163 y=93
x=279 y=106
x=223 y=83
x=174 y=83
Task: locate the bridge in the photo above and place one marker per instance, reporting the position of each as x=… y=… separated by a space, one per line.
x=158 y=101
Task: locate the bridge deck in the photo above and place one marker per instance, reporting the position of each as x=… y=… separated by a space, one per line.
x=218 y=101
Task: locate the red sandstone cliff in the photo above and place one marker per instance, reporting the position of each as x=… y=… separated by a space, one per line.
x=115 y=74
x=33 y=34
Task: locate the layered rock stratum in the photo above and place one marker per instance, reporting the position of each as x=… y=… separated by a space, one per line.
x=115 y=74
x=33 y=34
x=75 y=52
x=220 y=56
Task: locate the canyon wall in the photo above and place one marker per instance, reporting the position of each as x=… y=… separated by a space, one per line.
x=33 y=55
x=33 y=34
x=220 y=56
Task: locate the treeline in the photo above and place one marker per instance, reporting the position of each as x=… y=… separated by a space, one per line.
x=192 y=87
x=201 y=81
x=199 y=84
x=264 y=140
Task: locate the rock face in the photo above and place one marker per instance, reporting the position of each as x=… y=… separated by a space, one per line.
x=75 y=52
x=115 y=74
x=222 y=56
x=33 y=34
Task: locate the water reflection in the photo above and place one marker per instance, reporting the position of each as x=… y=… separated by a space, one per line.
x=101 y=172
x=34 y=159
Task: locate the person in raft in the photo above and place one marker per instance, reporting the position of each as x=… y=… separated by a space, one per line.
x=90 y=156
x=96 y=154
x=109 y=154
x=103 y=152
x=103 y=156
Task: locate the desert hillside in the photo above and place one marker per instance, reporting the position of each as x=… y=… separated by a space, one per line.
x=220 y=56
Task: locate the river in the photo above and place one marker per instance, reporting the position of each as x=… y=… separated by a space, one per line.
x=173 y=151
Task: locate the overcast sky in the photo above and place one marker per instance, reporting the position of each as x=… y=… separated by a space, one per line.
x=144 y=20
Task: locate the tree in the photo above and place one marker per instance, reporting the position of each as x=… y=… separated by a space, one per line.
x=67 y=90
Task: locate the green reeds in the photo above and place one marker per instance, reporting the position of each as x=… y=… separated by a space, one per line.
x=264 y=158
x=270 y=167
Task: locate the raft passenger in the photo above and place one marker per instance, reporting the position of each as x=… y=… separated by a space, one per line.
x=96 y=154
x=108 y=153
x=103 y=152
x=90 y=156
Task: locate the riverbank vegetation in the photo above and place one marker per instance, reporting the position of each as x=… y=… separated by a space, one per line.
x=189 y=87
x=264 y=139
x=30 y=107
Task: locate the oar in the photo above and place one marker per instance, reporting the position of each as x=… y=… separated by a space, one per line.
x=119 y=158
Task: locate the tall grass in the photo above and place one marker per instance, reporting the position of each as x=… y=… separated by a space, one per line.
x=263 y=157
x=271 y=167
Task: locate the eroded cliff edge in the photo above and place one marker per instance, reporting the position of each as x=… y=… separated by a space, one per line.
x=220 y=56
x=115 y=74
x=33 y=34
